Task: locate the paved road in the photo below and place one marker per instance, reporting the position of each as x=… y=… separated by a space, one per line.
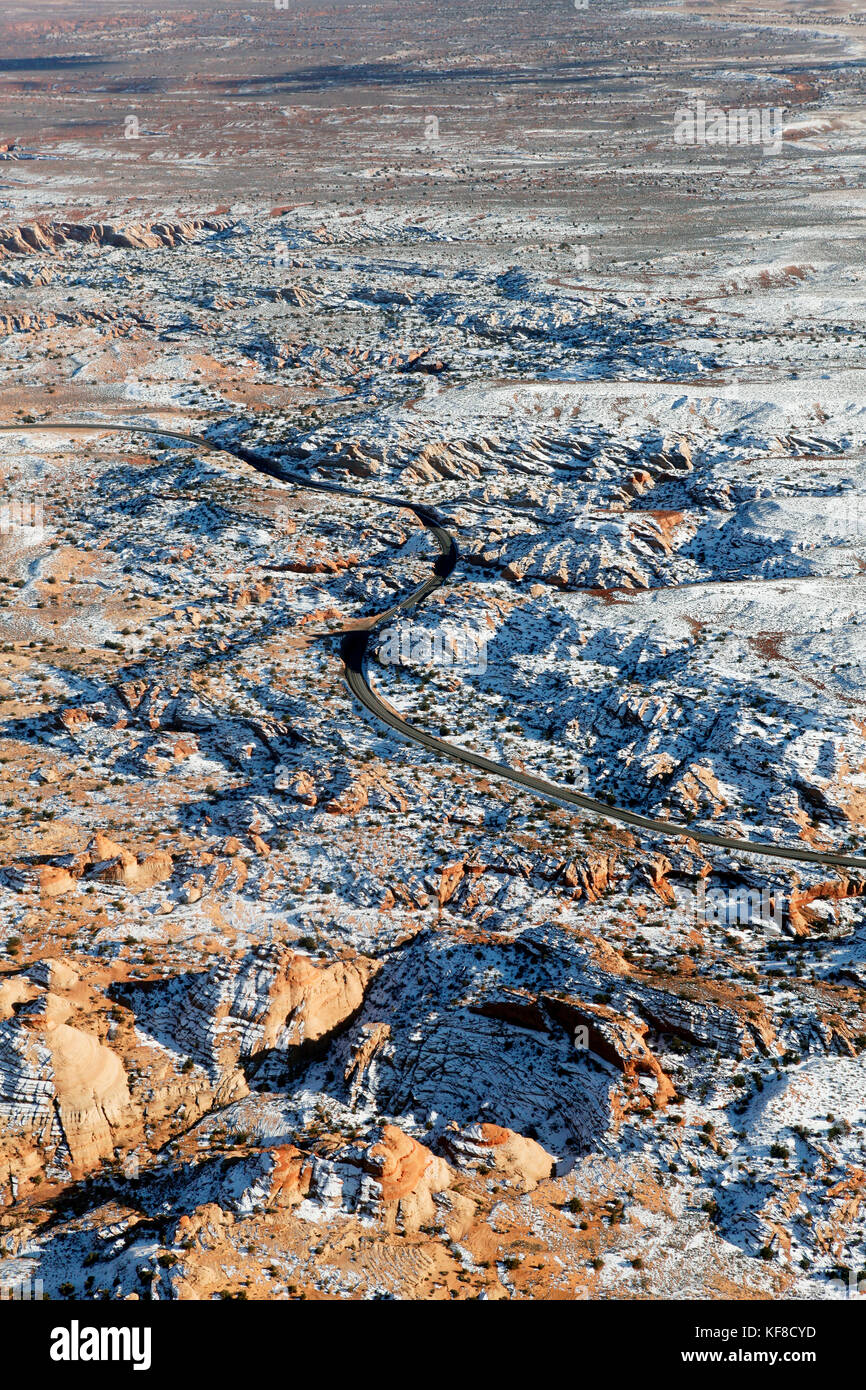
x=354 y=650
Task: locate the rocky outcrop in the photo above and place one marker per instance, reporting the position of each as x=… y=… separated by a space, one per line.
x=590 y=876
x=435 y=462
x=91 y=1093
x=613 y=1037
x=109 y=862
x=811 y=909
x=624 y=551
x=475 y=888
x=371 y=787
x=78 y=1086
x=64 y=1098
x=372 y=1040
x=408 y=1174
x=515 y=1157
x=387 y=1177
x=701 y=1011
x=114 y=864
x=39 y=237
x=273 y=1000
x=449 y=879
x=54 y=882
x=291 y=1175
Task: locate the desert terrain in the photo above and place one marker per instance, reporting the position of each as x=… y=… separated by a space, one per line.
x=291 y=1006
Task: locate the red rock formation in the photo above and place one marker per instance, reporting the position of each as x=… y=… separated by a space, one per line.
x=33 y=238
x=519 y=1159
x=801 y=919
x=291 y=1176
x=614 y=1038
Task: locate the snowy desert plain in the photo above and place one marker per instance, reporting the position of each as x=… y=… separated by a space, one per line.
x=290 y=1006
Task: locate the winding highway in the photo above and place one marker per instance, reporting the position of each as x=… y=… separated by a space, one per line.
x=355 y=644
